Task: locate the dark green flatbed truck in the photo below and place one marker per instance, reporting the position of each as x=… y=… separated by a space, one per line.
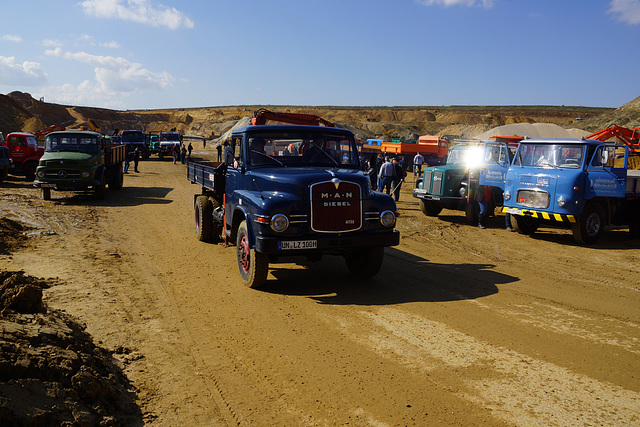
x=79 y=160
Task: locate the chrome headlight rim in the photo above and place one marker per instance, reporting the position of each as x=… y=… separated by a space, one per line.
x=387 y=218
x=506 y=195
x=279 y=223
x=85 y=174
x=560 y=201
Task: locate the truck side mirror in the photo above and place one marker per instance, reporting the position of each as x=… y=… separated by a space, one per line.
x=604 y=157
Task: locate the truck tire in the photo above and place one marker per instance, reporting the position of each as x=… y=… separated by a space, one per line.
x=46 y=194
x=253 y=265
x=3 y=175
x=117 y=179
x=429 y=207
x=364 y=263
x=588 y=230
x=203 y=218
x=472 y=212
x=30 y=170
x=524 y=224
x=100 y=189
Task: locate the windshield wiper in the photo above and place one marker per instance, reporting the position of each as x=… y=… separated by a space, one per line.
x=268 y=157
x=327 y=155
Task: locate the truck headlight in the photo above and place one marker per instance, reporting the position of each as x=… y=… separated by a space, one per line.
x=560 y=201
x=462 y=191
x=279 y=223
x=506 y=195
x=85 y=174
x=40 y=174
x=388 y=219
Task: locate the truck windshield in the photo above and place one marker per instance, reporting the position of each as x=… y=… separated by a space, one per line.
x=77 y=143
x=173 y=137
x=550 y=155
x=132 y=137
x=294 y=149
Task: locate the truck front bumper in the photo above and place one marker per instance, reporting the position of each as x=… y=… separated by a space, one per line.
x=67 y=185
x=327 y=243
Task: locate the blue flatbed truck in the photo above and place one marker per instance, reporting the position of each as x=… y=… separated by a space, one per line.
x=581 y=183
x=290 y=190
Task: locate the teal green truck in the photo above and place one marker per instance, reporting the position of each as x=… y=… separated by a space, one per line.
x=79 y=160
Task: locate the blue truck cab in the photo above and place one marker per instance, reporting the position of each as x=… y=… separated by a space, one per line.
x=290 y=190
x=585 y=184
x=453 y=185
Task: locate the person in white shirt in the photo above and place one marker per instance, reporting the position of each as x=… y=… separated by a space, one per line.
x=418 y=161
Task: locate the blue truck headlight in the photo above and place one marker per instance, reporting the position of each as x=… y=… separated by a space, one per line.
x=560 y=201
x=85 y=174
x=506 y=195
x=279 y=223
x=388 y=218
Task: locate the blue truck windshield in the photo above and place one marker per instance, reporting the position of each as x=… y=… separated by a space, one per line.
x=550 y=155
x=75 y=143
x=317 y=149
x=132 y=137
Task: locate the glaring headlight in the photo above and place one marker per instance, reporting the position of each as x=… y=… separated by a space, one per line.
x=279 y=223
x=506 y=195
x=40 y=174
x=560 y=201
x=85 y=174
x=388 y=218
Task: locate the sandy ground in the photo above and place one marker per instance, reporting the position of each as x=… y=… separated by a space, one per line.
x=462 y=326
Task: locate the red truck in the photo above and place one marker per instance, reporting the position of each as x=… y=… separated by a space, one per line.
x=25 y=153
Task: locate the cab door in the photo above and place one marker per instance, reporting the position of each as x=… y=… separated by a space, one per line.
x=234 y=157
x=495 y=165
x=607 y=172
x=18 y=148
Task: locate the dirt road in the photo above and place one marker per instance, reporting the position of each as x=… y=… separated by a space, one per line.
x=462 y=326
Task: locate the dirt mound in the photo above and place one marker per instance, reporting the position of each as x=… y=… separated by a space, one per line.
x=12 y=234
x=532 y=130
x=51 y=373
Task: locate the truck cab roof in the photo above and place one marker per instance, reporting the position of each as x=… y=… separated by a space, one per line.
x=294 y=128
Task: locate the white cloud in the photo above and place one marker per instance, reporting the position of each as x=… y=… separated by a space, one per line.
x=116 y=74
x=86 y=93
x=50 y=42
x=626 y=11
x=141 y=11
x=447 y=3
x=111 y=45
x=28 y=73
x=11 y=38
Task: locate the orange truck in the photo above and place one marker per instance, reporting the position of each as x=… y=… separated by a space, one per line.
x=433 y=148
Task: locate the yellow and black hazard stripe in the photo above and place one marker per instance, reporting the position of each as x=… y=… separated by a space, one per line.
x=544 y=215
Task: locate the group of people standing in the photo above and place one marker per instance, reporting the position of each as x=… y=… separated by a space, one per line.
x=180 y=151
x=387 y=174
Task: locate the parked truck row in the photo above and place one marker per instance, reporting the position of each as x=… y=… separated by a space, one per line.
x=582 y=183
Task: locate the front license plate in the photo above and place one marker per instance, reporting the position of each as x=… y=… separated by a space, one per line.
x=299 y=244
x=48 y=185
x=514 y=211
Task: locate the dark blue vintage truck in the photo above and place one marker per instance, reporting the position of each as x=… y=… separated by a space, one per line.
x=581 y=183
x=285 y=190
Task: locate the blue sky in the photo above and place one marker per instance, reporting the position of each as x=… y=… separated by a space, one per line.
x=133 y=54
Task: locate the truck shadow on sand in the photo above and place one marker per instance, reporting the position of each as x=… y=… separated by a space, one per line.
x=403 y=278
x=128 y=196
